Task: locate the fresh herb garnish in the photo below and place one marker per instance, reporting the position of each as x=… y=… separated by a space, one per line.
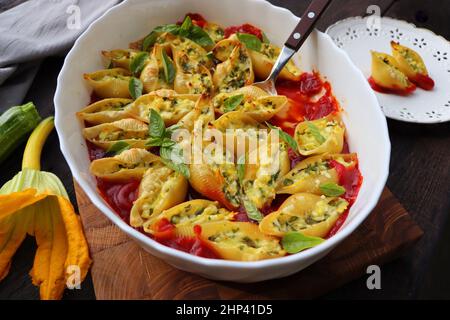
x=169 y=68
x=135 y=87
x=295 y=242
x=241 y=168
x=252 y=211
x=332 y=190
x=137 y=64
x=117 y=148
x=231 y=103
x=251 y=41
x=285 y=137
x=170 y=152
x=315 y=131
x=187 y=30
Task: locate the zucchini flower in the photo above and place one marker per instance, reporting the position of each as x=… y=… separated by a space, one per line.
x=36 y=203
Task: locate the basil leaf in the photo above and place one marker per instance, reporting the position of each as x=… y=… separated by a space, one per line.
x=154 y=142
x=315 y=131
x=295 y=242
x=231 y=103
x=138 y=63
x=332 y=190
x=157 y=127
x=169 y=68
x=200 y=36
x=172 y=157
x=252 y=211
x=251 y=41
x=180 y=168
x=210 y=55
x=186 y=27
x=285 y=137
x=171 y=28
x=149 y=40
x=241 y=168
x=265 y=39
x=167 y=143
x=135 y=87
x=118 y=148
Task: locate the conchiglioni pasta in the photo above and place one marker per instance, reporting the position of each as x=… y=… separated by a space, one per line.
x=104 y=111
x=110 y=83
x=310 y=214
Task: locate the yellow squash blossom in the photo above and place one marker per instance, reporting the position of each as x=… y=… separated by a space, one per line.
x=35 y=203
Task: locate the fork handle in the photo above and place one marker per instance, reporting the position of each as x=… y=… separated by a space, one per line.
x=307 y=23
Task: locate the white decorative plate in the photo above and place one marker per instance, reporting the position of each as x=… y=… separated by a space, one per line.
x=357 y=36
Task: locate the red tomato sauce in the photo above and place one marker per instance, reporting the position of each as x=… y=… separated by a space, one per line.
x=245 y=28
x=402 y=92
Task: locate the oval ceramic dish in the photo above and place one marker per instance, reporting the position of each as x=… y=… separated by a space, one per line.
x=135 y=18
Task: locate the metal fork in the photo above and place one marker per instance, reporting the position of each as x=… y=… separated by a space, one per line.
x=294 y=43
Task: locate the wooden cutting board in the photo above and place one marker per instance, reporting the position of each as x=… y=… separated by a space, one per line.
x=122 y=270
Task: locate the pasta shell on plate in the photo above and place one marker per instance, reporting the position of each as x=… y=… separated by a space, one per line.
x=129 y=165
x=214 y=175
x=188 y=214
x=161 y=188
x=309 y=214
x=411 y=64
x=251 y=100
x=386 y=73
x=264 y=168
x=110 y=83
x=240 y=241
x=106 y=110
x=191 y=77
x=131 y=131
x=170 y=105
x=120 y=58
x=320 y=136
x=152 y=76
x=236 y=71
x=311 y=173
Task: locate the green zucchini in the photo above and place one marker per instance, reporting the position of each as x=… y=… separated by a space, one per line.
x=15 y=125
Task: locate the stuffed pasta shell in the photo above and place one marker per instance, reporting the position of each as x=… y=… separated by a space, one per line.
x=168 y=103
x=191 y=77
x=240 y=241
x=104 y=111
x=153 y=75
x=387 y=75
x=313 y=172
x=252 y=101
x=188 y=214
x=236 y=71
x=215 y=32
x=110 y=83
x=412 y=65
x=120 y=58
x=161 y=188
x=264 y=168
x=321 y=136
x=309 y=214
x=215 y=176
x=129 y=165
x=131 y=131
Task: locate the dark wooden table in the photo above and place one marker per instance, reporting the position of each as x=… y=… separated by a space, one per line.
x=420 y=174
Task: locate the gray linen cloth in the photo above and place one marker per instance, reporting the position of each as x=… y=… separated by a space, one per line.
x=36 y=29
